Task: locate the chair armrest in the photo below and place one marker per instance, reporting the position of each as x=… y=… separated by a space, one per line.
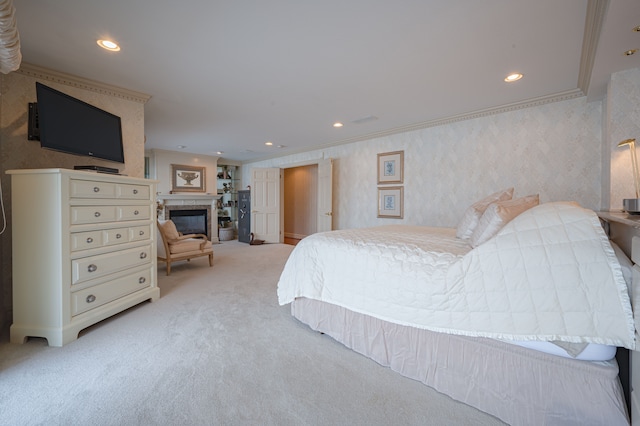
x=188 y=236
x=184 y=237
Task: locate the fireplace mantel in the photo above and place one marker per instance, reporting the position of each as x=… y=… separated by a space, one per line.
x=186 y=199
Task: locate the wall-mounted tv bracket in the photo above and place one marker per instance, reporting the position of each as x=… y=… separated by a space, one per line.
x=33 y=132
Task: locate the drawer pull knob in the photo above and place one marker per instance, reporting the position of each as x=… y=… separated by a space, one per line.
x=142 y=280
x=135 y=191
x=97 y=214
x=89 y=240
x=141 y=232
x=143 y=255
x=136 y=212
x=96 y=189
x=92 y=268
x=91 y=298
x=118 y=235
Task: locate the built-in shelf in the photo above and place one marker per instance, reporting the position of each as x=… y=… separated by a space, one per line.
x=621 y=217
x=227 y=185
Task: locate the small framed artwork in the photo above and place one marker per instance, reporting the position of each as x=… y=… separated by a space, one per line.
x=187 y=178
x=390 y=202
x=390 y=167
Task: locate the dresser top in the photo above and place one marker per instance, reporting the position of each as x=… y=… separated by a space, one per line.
x=90 y=174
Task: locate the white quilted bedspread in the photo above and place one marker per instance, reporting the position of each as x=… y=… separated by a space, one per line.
x=549 y=274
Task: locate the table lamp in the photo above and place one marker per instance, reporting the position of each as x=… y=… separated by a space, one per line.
x=632 y=205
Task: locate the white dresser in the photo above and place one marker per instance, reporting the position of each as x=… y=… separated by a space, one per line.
x=83 y=247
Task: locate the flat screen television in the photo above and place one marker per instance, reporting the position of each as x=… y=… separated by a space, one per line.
x=70 y=125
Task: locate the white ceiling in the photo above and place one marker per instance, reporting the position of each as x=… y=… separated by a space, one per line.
x=229 y=75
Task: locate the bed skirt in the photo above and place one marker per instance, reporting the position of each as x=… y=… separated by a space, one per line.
x=518 y=385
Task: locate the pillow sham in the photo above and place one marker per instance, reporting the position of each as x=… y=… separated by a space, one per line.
x=499 y=214
x=474 y=212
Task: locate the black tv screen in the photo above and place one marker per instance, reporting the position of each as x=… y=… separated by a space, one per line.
x=70 y=125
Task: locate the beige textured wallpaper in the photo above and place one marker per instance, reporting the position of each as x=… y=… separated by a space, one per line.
x=17 y=89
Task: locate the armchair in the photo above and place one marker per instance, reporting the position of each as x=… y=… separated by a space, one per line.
x=176 y=246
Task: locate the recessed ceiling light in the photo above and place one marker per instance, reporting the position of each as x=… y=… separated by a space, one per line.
x=181 y=146
x=337 y=124
x=109 y=45
x=219 y=152
x=282 y=146
x=513 y=77
x=636 y=29
x=268 y=143
x=630 y=52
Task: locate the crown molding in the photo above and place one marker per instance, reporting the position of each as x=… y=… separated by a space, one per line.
x=596 y=12
x=534 y=102
x=42 y=73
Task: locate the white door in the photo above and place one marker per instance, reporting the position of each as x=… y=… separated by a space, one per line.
x=325 y=206
x=265 y=204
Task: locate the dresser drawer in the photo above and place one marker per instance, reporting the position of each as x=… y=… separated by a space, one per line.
x=92 y=267
x=139 y=233
x=134 y=212
x=91 y=189
x=115 y=236
x=92 y=297
x=86 y=240
x=133 y=192
x=93 y=214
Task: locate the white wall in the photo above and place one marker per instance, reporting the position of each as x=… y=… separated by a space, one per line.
x=552 y=149
x=160 y=168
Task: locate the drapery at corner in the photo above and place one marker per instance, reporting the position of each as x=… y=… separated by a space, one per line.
x=10 y=56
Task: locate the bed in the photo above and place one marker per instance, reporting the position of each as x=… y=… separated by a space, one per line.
x=523 y=326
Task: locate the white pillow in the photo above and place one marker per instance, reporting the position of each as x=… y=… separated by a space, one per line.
x=474 y=212
x=499 y=214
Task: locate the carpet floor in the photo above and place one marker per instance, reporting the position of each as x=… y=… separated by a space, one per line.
x=215 y=349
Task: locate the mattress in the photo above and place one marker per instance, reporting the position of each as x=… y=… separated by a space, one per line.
x=517 y=385
x=586 y=352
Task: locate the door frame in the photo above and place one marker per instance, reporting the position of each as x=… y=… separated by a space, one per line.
x=282 y=167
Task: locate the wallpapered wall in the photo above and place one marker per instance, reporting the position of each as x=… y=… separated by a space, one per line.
x=622 y=121
x=553 y=150
x=17 y=152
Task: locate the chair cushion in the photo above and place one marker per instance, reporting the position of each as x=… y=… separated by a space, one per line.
x=187 y=245
x=169 y=230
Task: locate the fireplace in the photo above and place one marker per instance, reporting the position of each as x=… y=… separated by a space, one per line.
x=190 y=221
x=178 y=207
x=194 y=219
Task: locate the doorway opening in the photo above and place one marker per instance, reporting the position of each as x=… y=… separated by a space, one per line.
x=300 y=202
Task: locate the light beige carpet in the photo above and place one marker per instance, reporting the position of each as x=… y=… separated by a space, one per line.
x=215 y=349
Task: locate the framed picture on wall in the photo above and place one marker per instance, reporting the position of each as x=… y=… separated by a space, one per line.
x=187 y=178
x=390 y=167
x=390 y=202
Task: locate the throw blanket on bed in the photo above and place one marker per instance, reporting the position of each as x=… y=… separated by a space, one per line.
x=549 y=274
